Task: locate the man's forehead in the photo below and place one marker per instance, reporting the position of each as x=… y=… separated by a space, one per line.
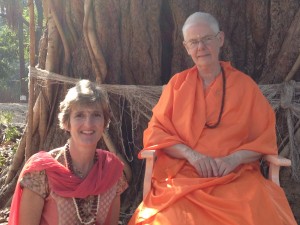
x=198 y=36
x=198 y=30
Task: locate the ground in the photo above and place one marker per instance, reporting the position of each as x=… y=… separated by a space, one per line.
x=19 y=111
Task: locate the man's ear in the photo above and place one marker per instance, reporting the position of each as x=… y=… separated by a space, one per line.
x=221 y=38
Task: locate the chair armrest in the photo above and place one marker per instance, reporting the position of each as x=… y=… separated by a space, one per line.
x=277 y=160
x=274 y=167
x=149 y=155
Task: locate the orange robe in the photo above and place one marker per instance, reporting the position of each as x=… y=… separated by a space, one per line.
x=243 y=197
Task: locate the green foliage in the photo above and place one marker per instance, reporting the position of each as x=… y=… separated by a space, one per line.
x=26 y=34
x=6 y=117
x=10 y=133
x=2 y=159
x=8 y=53
x=9 y=61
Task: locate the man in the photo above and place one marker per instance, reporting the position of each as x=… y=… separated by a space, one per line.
x=210 y=127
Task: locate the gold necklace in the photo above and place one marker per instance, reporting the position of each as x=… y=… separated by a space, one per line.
x=81 y=205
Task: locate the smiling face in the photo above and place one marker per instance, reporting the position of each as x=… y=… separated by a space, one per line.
x=206 y=52
x=86 y=125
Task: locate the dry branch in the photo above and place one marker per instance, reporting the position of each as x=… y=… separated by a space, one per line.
x=87 y=10
x=18 y=159
x=91 y=42
x=73 y=36
x=294 y=69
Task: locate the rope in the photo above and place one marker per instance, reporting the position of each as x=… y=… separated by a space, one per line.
x=292 y=112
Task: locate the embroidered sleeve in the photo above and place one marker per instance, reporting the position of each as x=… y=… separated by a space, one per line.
x=122 y=185
x=36 y=182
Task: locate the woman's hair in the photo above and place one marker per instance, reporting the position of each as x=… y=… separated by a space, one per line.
x=200 y=17
x=84 y=93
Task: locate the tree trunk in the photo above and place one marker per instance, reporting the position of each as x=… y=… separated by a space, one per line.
x=23 y=86
x=140 y=42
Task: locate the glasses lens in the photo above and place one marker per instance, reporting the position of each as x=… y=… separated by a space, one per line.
x=193 y=44
x=207 y=40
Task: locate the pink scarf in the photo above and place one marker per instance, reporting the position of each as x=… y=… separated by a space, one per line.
x=103 y=175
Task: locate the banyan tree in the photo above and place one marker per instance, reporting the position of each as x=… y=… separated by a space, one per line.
x=131 y=48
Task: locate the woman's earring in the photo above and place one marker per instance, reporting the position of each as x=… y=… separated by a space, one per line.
x=107 y=125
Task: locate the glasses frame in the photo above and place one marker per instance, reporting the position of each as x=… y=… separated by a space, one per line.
x=206 y=40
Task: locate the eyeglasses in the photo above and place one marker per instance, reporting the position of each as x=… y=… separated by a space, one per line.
x=194 y=43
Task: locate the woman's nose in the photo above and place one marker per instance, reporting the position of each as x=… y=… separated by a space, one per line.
x=89 y=120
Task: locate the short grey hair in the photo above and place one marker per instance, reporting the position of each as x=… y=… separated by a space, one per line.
x=200 y=17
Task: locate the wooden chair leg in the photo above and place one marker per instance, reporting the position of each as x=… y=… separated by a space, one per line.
x=149 y=155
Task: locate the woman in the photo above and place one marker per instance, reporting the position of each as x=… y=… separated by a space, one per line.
x=210 y=127
x=76 y=183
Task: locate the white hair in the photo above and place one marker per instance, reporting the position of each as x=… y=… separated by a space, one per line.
x=200 y=17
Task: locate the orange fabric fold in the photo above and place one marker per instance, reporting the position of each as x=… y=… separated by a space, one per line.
x=178 y=195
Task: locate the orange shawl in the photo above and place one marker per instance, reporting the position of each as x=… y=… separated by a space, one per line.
x=178 y=194
x=103 y=175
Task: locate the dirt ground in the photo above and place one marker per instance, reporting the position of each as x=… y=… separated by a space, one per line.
x=291 y=188
x=19 y=111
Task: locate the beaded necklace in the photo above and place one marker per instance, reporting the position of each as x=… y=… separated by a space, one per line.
x=84 y=215
x=222 y=104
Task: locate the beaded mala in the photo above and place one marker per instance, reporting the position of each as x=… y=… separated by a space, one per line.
x=222 y=104
x=84 y=216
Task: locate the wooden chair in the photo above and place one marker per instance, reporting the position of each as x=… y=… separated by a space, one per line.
x=275 y=162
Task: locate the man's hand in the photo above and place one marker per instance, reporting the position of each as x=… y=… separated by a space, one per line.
x=205 y=166
x=227 y=164
x=210 y=167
